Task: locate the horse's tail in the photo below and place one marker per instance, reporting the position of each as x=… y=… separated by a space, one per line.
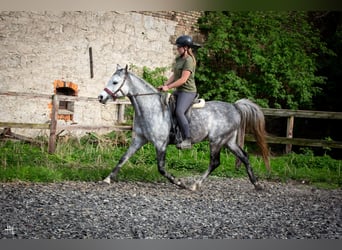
x=253 y=120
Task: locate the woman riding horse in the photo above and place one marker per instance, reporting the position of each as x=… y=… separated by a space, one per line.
x=183 y=80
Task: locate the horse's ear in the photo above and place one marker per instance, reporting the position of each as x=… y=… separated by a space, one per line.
x=118 y=67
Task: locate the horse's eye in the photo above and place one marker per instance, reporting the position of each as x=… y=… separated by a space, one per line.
x=115 y=82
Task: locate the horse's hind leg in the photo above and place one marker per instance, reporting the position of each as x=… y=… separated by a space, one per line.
x=136 y=144
x=214 y=163
x=242 y=155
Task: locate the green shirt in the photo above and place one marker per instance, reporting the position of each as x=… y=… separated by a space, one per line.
x=181 y=64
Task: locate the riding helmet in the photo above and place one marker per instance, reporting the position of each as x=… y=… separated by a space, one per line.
x=184 y=41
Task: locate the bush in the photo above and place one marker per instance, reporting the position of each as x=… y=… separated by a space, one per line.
x=269 y=57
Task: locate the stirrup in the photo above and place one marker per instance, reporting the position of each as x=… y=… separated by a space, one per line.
x=186 y=144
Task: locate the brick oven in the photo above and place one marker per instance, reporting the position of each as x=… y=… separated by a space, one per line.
x=66 y=108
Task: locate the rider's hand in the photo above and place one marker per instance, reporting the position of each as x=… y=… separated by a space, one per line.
x=163 y=88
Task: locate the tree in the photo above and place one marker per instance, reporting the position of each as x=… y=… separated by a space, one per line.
x=269 y=57
x=330 y=25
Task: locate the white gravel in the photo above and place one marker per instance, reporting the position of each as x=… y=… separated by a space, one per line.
x=222 y=209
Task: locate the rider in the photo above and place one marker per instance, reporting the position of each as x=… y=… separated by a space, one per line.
x=183 y=80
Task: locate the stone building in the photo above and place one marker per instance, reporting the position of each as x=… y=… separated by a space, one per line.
x=75 y=53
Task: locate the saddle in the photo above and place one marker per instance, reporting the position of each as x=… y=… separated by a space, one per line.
x=169 y=101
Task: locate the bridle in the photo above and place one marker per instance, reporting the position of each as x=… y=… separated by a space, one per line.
x=113 y=95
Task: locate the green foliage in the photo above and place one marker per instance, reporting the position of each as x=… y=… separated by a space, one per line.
x=322 y=171
x=93 y=157
x=269 y=57
x=155 y=77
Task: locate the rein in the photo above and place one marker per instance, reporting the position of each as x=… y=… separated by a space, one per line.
x=109 y=92
x=145 y=94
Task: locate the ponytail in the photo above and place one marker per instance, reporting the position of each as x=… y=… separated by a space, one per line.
x=192 y=55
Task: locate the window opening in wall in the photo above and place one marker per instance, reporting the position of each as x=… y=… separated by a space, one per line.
x=66 y=108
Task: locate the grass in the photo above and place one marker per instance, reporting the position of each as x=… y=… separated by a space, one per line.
x=92 y=157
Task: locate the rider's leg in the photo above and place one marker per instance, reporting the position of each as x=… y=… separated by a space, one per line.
x=184 y=101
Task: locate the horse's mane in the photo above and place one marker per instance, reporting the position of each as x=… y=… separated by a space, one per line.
x=144 y=82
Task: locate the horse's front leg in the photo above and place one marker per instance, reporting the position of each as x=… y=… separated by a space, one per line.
x=161 y=153
x=136 y=144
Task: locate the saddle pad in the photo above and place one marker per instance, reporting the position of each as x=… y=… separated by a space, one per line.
x=199 y=103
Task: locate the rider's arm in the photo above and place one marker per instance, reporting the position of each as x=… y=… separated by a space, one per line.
x=170 y=80
x=185 y=76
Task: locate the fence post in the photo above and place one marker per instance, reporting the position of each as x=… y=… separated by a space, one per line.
x=53 y=124
x=289 y=132
x=121 y=113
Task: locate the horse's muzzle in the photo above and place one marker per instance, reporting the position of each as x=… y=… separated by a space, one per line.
x=101 y=99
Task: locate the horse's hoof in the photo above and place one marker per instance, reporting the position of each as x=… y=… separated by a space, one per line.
x=258 y=187
x=107 y=180
x=195 y=186
x=182 y=185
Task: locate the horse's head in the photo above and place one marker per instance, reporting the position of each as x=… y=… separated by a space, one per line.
x=114 y=86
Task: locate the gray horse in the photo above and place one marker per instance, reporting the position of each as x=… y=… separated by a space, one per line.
x=218 y=122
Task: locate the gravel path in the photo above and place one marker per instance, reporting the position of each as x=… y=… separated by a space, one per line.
x=222 y=209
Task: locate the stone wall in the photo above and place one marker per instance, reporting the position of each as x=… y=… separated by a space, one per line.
x=38 y=48
x=186 y=22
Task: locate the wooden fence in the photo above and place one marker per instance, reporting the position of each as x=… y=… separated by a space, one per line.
x=52 y=125
x=291 y=115
x=288 y=140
